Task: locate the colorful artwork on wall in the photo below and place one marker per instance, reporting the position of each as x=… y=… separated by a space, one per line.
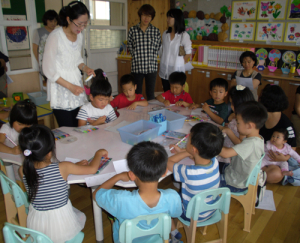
x=244 y=10
x=292 y=32
x=294 y=9
x=17 y=38
x=272 y=9
x=195 y=26
x=242 y=31
x=270 y=31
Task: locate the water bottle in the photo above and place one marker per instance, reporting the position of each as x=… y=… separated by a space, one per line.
x=293 y=67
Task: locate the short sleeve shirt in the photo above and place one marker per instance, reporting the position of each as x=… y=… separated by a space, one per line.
x=184 y=96
x=257 y=76
x=221 y=110
x=121 y=100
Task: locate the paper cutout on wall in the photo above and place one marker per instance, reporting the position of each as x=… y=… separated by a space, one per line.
x=272 y=9
x=294 y=9
x=244 y=10
x=292 y=32
x=195 y=26
x=269 y=31
x=242 y=31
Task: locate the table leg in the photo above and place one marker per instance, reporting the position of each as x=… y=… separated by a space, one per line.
x=98 y=221
x=10 y=171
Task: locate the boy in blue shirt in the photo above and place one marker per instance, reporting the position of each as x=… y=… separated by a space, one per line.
x=204 y=144
x=147 y=162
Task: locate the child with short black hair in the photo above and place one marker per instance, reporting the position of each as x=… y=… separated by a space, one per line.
x=250 y=116
x=128 y=98
x=98 y=111
x=278 y=143
x=147 y=162
x=176 y=95
x=204 y=144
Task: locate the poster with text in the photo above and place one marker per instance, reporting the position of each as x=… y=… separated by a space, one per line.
x=242 y=31
x=292 y=32
x=272 y=9
x=269 y=31
x=244 y=10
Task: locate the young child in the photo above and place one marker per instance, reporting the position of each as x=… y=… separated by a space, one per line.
x=176 y=95
x=215 y=107
x=50 y=210
x=98 y=111
x=237 y=95
x=250 y=117
x=147 y=162
x=128 y=98
x=204 y=144
x=278 y=143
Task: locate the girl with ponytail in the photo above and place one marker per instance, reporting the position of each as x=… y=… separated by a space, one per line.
x=50 y=210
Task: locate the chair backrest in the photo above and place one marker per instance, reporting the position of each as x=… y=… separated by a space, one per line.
x=13 y=232
x=130 y=230
x=198 y=202
x=253 y=176
x=186 y=88
x=8 y=186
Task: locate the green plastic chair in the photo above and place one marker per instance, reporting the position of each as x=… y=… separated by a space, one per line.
x=16 y=201
x=159 y=233
x=248 y=197
x=13 y=233
x=198 y=205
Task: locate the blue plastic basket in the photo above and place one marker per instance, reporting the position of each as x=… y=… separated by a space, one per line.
x=139 y=131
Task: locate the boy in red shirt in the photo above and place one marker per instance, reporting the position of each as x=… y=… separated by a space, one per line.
x=176 y=95
x=128 y=98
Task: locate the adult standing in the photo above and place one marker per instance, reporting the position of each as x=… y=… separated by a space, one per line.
x=144 y=41
x=3 y=82
x=62 y=63
x=40 y=36
x=175 y=37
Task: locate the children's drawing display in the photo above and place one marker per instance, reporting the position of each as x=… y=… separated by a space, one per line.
x=195 y=26
x=272 y=10
x=244 y=10
x=242 y=31
x=272 y=31
x=294 y=9
x=292 y=32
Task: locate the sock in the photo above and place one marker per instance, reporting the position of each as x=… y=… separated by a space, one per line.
x=176 y=234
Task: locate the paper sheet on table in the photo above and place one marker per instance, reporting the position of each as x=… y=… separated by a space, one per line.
x=197 y=111
x=188 y=66
x=121 y=166
x=248 y=82
x=8 y=80
x=98 y=179
x=154 y=102
x=268 y=202
x=114 y=128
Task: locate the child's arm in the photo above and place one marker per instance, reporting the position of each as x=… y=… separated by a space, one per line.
x=137 y=103
x=6 y=149
x=212 y=115
x=160 y=98
x=81 y=123
x=194 y=106
x=295 y=155
x=228 y=152
x=231 y=135
x=185 y=104
x=176 y=158
x=99 y=121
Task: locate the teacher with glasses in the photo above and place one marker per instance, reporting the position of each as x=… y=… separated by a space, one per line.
x=62 y=63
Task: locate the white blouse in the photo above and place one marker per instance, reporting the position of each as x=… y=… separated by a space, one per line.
x=170 y=61
x=61 y=59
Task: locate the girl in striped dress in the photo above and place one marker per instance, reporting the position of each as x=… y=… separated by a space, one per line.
x=50 y=210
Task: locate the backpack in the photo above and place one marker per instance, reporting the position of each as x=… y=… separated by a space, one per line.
x=261 y=188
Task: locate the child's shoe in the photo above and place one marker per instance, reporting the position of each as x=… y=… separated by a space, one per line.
x=175 y=236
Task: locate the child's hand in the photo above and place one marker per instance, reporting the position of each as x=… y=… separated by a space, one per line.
x=100 y=120
x=76 y=90
x=179 y=103
x=132 y=106
x=277 y=156
x=167 y=103
x=82 y=162
x=205 y=107
x=175 y=149
x=124 y=176
x=224 y=129
x=231 y=117
x=193 y=106
x=16 y=150
x=102 y=153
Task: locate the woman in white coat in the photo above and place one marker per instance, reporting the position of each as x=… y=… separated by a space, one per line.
x=172 y=39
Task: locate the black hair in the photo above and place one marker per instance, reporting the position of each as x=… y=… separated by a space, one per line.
x=39 y=140
x=218 y=82
x=179 y=25
x=177 y=78
x=73 y=10
x=240 y=96
x=24 y=112
x=148 y=161
x=248 y=54
x=253 y=111
x=49 y=15
x=100 y=84
x=148 y=10
x=283 y=131
x=207 y=139
x=274 y=98
x=126 y=79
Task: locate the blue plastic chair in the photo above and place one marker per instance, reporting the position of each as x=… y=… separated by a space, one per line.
x=248 y=198
x=16 y=201
x=198 y=205
x=160 y=232
x=13 y=233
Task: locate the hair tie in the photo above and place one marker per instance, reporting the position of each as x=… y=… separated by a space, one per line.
x=240 y=87
x=27 y=152
x=104 y=74
x=71 y=5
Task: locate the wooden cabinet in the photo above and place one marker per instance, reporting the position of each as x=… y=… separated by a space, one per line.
x=289 y=88
x=199 y=89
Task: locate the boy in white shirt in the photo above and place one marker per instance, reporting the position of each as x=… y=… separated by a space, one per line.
x=98 y=111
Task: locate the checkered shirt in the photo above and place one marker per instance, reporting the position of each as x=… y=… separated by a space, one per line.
x=144 y=47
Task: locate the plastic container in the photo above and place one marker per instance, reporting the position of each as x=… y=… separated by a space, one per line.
x=38 y=98
x=272 y=69
x=139 y=131
x=285 y=70
x=174 y=121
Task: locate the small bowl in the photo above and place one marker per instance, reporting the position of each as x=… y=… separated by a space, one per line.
x=285 y=70
x=298 y=71
x=272 y=68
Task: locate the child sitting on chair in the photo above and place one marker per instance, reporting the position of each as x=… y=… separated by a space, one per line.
x=147 y=162
x=250 y=117
x=176 y=95
x=204 y=144
x=98 y=111
x=128 y=98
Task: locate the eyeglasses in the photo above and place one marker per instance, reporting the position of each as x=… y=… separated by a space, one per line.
x=80 y=25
